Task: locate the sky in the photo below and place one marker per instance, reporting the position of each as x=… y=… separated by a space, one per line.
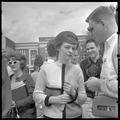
x=27 y=21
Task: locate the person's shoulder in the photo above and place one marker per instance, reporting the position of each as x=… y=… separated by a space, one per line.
x=26 y=75
x=77 y=71
x=34 y=73
x=48 y=65
x=76 y=68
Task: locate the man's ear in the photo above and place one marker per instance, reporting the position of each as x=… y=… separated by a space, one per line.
x=105 y=25
x=102 y=22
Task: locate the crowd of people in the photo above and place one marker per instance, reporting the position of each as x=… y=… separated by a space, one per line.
x=62 y=86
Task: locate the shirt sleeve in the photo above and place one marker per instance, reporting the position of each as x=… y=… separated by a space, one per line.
x=81 y=89
x=115 y=59
x=110 y=87
x=38 y=94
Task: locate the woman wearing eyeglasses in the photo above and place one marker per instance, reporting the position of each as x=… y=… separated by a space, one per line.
x=22 y=86
x=59 y=90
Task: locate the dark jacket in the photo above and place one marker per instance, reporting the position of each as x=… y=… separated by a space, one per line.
x=91 y=69
x=26 y=106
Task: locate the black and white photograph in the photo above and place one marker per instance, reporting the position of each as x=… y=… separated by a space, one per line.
x=59 y=60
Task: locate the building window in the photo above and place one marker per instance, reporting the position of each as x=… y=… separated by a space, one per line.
x=24 y=52
x=33 y=54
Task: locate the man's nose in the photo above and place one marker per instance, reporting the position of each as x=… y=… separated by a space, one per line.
x=70 y=50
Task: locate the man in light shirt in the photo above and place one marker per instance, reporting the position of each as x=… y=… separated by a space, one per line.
x=103 y=28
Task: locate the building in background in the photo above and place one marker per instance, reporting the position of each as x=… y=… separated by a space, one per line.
x=7 y=44
x=31 y=49
x=81 y=50
x=42 y=46
x=81 y=38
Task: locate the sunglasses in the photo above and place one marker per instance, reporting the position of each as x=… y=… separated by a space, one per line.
x=12 y=62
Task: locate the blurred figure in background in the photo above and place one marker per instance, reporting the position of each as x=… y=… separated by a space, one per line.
x=91 y=67
x=51 y=52
x=37 y=65
x=24 y=64
x=103 y=28
x=26 y=105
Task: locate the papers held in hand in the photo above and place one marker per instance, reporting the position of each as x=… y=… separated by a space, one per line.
x=19 y=91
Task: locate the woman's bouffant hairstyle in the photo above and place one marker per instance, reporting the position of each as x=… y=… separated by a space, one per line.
x=17 y=56
x=66 y=36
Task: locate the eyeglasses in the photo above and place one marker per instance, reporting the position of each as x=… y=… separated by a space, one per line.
x=12 y=62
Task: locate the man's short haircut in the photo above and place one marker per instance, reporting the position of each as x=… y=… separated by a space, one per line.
x=101 y=13
x=92 y=41
x=51 y=48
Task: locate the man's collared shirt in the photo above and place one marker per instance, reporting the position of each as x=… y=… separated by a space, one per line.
x=109 y=67
x=91 y=69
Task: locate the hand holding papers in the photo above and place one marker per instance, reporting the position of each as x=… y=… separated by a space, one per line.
x=93 y=84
